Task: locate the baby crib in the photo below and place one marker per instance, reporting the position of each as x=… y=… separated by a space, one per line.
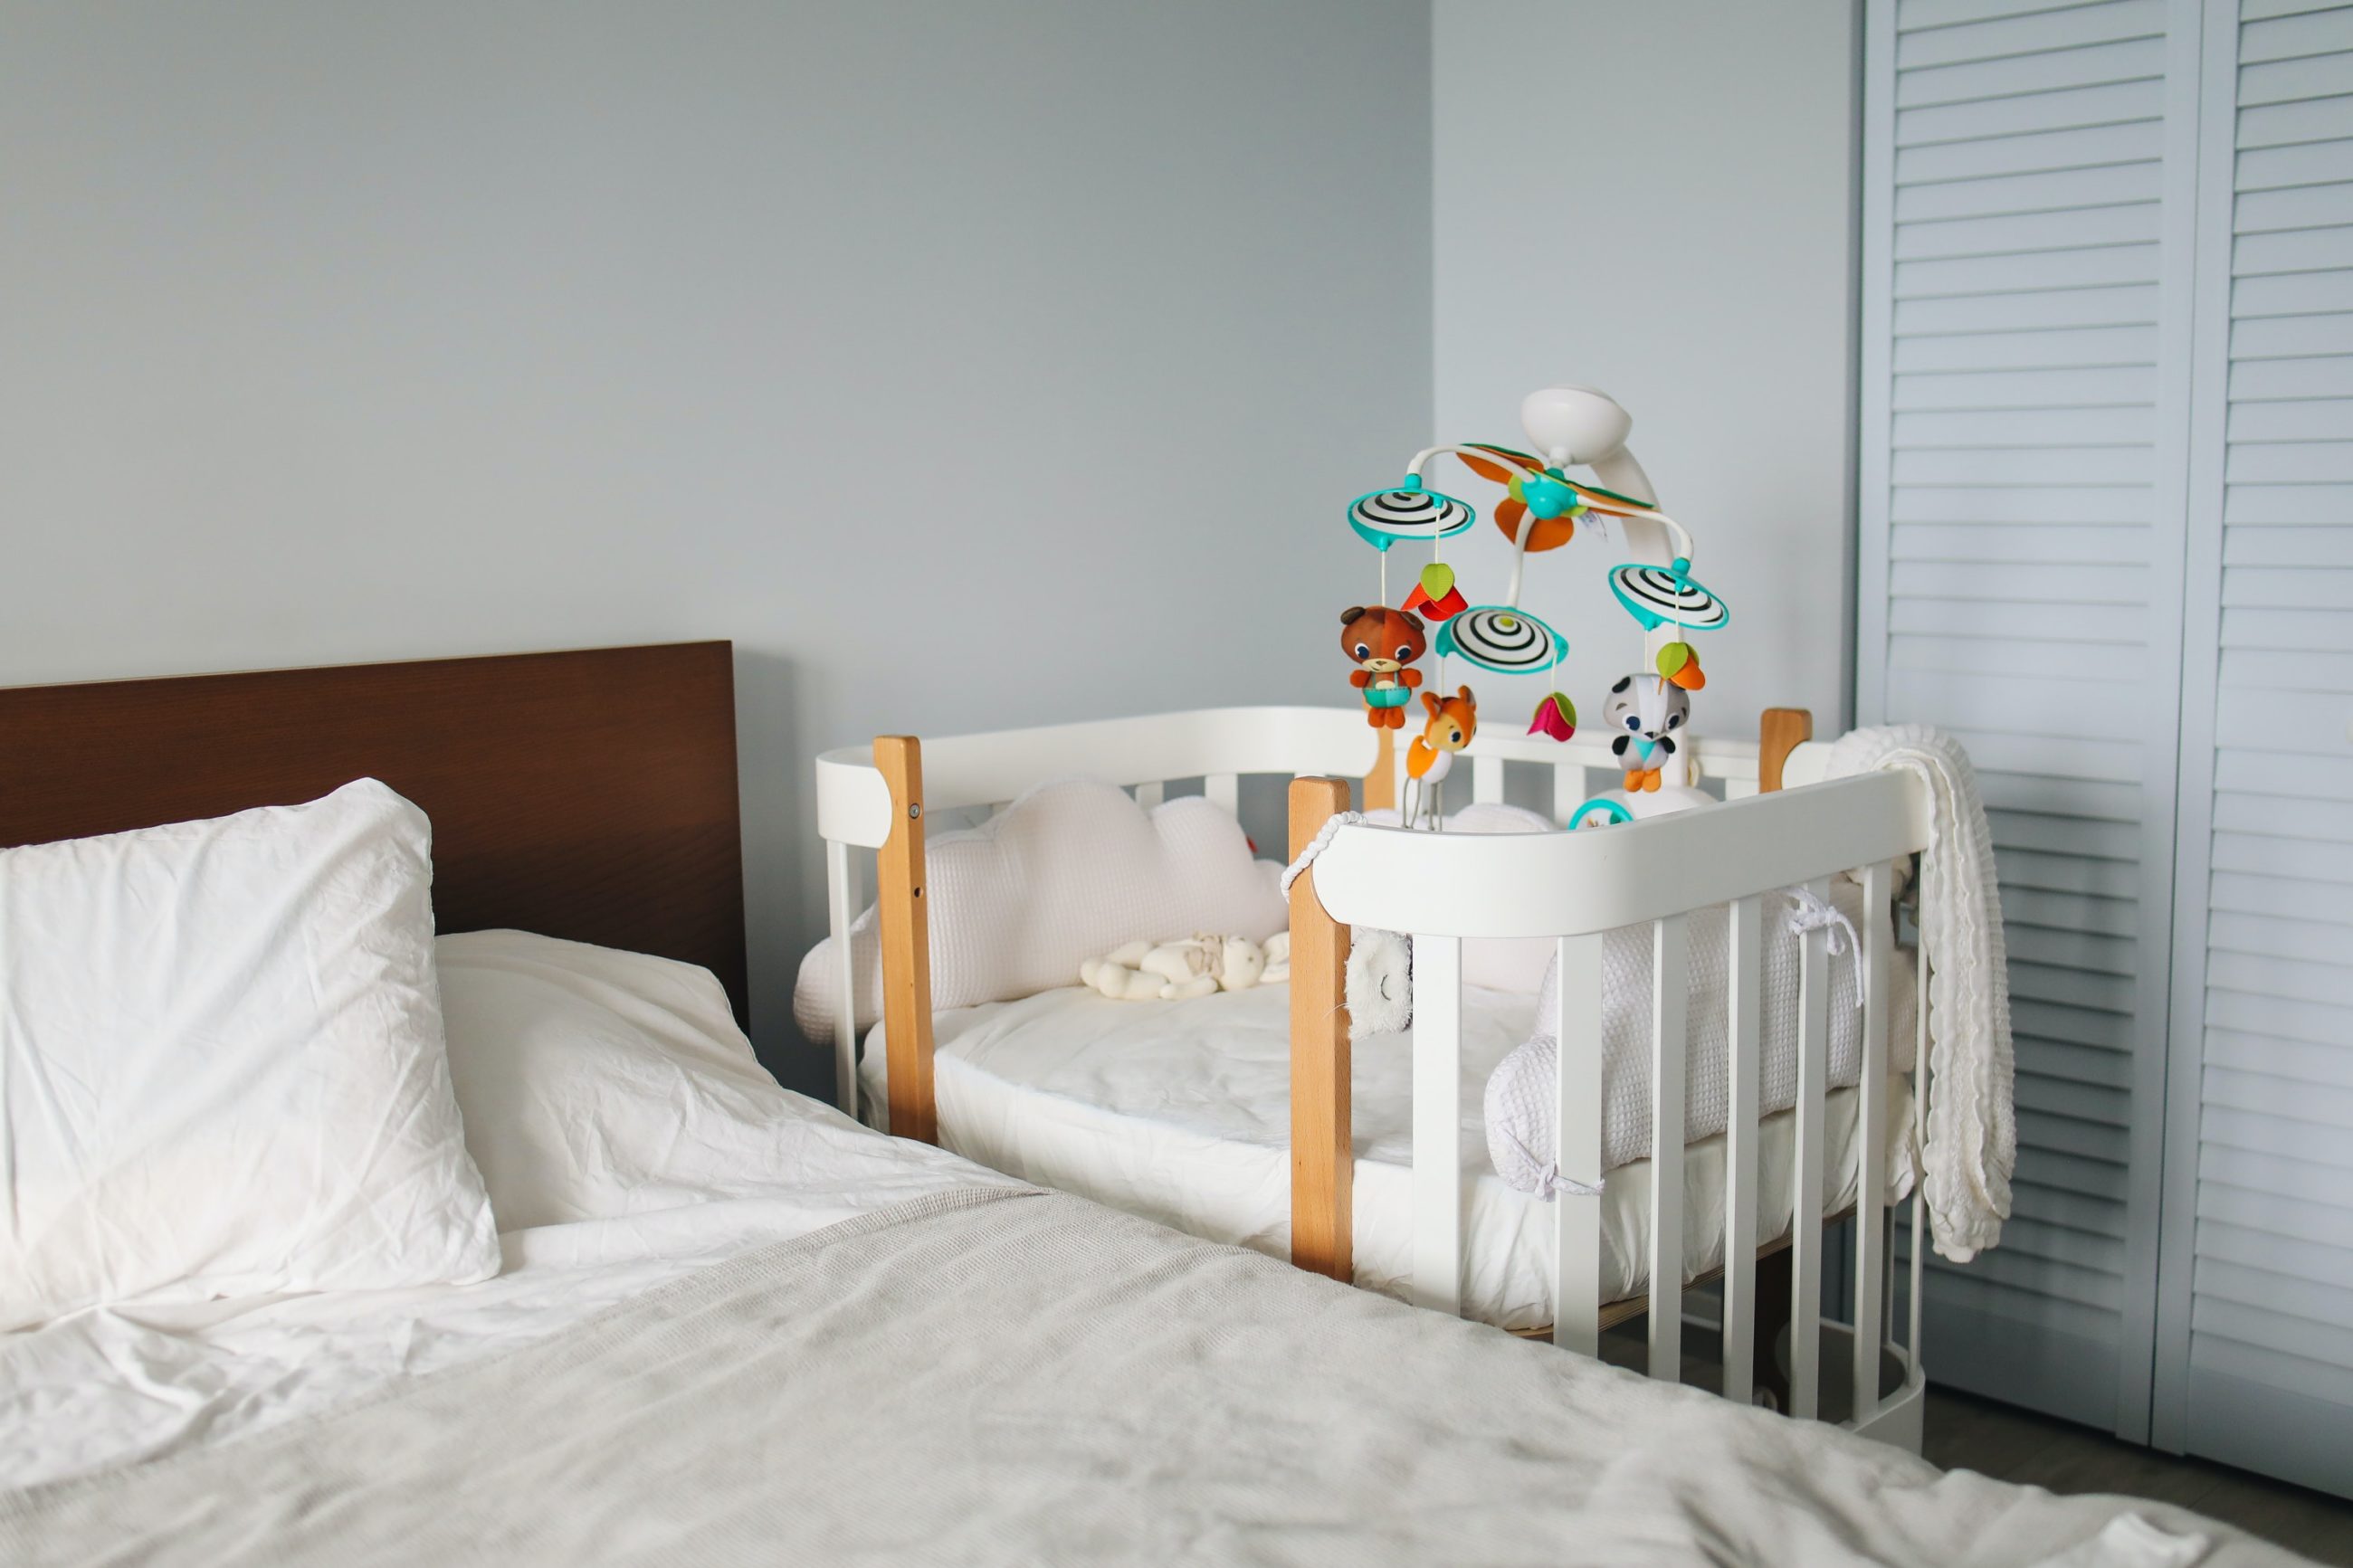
x=1441 y=889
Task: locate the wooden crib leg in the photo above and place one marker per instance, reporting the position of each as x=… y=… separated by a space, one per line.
x=906 y=942
x=1775 y=1284
x=1322 y=1153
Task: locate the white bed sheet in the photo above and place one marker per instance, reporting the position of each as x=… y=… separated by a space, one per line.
x=1179 y=1111
x=112 y=1385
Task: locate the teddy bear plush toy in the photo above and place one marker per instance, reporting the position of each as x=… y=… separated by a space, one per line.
x=1190 y=966
x=1383 y=644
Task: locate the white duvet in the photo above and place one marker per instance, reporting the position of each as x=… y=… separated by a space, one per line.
x=640 y=1053
x=109 y=1384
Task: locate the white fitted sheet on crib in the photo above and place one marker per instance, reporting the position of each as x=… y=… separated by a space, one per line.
x=1180 y=1112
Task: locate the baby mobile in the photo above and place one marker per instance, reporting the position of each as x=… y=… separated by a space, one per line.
x=1541 y=510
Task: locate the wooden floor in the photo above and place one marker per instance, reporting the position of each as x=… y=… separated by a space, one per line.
x=2001 y=1440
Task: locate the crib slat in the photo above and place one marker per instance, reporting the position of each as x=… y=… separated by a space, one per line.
x=1870 y=1139
x=1149 y=795
x=1487 y=781
x=1670 y=1002
x=1806 y=1219
x=1576 y=1217
x=1745 y=985
x=1572 y=785
x=1920 y=1092
x=1226 y=789
x=1438 y=1122
x=842 y=912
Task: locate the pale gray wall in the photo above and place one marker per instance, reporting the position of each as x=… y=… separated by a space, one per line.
x=968 y=364
x=1670 y=216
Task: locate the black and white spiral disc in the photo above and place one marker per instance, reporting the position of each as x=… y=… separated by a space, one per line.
x=1668 y=595
x=1384 y=517
x=1502 y=639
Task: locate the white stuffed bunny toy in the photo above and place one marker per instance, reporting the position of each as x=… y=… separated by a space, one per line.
x=1190 y=966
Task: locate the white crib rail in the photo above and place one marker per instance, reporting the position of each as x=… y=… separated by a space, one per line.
x=1220 y=746
x=1217 y=745
x=1579 y=887
x=1523 y=885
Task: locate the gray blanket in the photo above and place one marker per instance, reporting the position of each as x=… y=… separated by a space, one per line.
x=989 y=1377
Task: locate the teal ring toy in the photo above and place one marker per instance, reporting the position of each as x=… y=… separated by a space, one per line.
x=1597 y=806
x=1388 y=696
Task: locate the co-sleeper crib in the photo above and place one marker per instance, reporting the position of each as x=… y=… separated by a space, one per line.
x=1441 y=889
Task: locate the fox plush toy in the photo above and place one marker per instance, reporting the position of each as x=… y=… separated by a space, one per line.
x=1383 y=643
x=1453 y=724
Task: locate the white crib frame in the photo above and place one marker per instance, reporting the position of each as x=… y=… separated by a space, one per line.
x=1441 y=889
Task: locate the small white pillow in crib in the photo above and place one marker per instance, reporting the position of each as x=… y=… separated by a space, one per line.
x=1522 y=1109
x=221 y=1064
x=1521 y=1093
x=597 y=1083
x=1070 y=872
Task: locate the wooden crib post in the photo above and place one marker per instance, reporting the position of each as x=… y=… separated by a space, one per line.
x=1780 y=732
x=1322 y=1153
x=1380 y=784
x=906 y=941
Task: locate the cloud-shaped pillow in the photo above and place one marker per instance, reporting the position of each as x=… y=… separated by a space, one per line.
x=1068 y=872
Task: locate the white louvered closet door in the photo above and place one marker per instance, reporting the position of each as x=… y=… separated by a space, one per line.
x=2255 y=1344
x=2028 y=190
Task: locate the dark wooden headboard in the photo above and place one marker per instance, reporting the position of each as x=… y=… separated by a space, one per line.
x=589 y=795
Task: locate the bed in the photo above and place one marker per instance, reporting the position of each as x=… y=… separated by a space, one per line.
x=728 y=1324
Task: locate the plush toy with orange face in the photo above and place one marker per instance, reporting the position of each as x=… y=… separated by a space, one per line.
x=1383 y=643
x=1453 y=724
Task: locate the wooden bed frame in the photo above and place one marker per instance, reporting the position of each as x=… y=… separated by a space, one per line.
x=588 y=794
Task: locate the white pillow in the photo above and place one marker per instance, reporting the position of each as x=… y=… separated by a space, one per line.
x=1071 y=870
x=221 y=1065
x=597 y=1083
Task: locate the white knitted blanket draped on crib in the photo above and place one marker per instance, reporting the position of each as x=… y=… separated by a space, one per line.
x=1972 y=1145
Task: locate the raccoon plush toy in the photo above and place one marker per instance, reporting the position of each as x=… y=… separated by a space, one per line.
x=1644 y=712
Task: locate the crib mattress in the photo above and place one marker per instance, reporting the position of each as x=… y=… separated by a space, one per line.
x=1180 y=1112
